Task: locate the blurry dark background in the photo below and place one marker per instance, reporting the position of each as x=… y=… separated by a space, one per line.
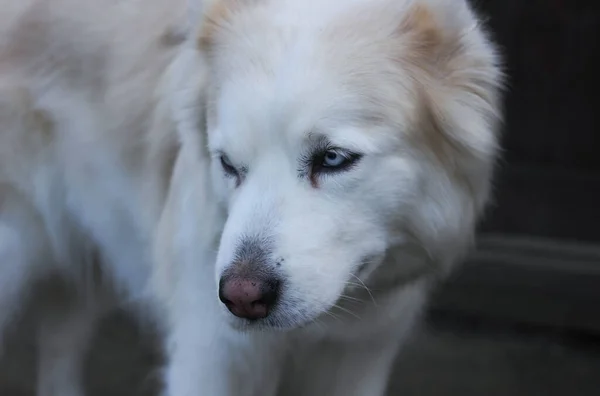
x=522 y=318
x=549 y=183
x=538 y=261
x=534 y=281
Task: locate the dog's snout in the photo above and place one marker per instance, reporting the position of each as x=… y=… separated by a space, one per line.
x=248 y=298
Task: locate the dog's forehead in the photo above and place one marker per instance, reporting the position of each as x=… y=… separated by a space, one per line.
x=256 y=110
x=280 y=82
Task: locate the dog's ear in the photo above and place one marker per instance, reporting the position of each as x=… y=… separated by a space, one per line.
x=215 y=15
x=194 y=13
x=458 y=71
x=458 y=80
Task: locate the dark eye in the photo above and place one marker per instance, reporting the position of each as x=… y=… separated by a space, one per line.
x=228 y=167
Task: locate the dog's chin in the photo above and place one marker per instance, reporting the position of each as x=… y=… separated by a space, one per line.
x=277 y=321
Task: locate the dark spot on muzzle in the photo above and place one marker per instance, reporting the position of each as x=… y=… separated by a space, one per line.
x=250 y=287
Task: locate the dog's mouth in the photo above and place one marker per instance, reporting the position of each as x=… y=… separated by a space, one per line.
x=278 y=320
x=287 y=313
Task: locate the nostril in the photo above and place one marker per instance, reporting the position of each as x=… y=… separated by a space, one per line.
x=222 y=296
x=259 y=303
x=226 y=301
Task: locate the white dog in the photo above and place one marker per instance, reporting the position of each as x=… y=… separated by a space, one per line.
x=352 y=144
x=332 y=157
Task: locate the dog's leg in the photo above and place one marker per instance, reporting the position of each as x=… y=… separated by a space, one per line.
x=23 y=252
x=208 y=361
x=64 y=337
x=194 y=368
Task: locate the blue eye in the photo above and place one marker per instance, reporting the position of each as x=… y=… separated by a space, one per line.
x=334 y=159
x=327 y=161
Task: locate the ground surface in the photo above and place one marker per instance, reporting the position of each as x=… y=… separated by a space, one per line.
x=446 y=358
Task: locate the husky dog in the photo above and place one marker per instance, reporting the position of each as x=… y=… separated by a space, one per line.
x=352 y=145
x=281 y=181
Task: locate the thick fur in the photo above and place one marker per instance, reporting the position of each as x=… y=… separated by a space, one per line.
x=411 y=85
x=86 y=147
x=114 y=118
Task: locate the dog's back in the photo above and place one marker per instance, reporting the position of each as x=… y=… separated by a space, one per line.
x=78 y=81
x=78 y=93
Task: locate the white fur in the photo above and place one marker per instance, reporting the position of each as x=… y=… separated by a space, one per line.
x=359 y=251
x=98 y=97
x=79 y=102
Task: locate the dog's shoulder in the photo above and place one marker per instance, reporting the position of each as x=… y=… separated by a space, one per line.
x=84 y=66
x=79 y=82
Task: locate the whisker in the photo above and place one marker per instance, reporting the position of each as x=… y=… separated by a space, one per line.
x=334 y=316
x=366 y=288
x=347 y=311
x=355 y=284
x=319 y=324
x=350 y=298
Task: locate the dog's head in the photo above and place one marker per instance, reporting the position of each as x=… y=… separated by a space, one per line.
x=340 y=131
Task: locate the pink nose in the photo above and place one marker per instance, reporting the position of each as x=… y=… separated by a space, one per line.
x=248 y=298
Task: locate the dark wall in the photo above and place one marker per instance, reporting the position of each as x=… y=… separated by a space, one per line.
x=552 y=52
x=549 y=181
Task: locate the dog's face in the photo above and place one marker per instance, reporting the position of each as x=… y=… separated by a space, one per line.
x=314 y=186
x=324 y=149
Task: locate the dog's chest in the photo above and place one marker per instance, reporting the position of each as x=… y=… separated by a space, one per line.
x=103 y=201
x=89 y=204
